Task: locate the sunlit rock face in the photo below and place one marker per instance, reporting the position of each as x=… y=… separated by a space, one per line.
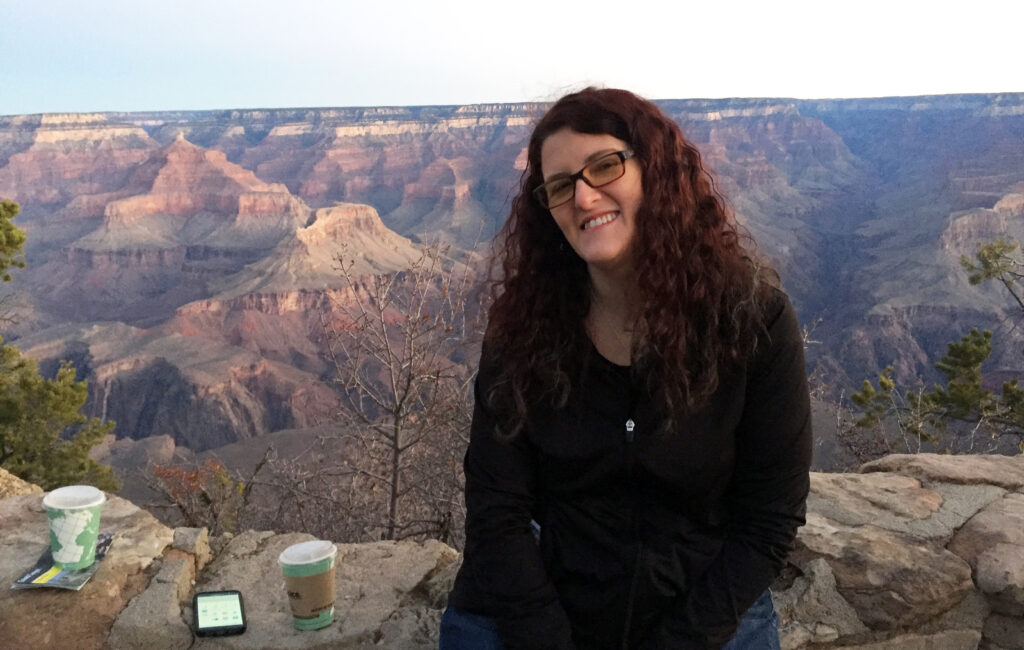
x=184 y=217
x=194 y=295
x=223 y=226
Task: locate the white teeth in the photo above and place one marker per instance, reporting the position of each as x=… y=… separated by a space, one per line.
x=600 y=221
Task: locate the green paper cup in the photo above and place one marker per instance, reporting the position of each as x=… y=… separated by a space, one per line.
x=74 y=516
x=309 y=578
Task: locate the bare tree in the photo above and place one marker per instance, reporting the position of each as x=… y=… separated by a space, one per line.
x=403 y=347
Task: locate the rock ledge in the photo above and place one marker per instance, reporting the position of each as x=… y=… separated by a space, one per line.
x=915 y=552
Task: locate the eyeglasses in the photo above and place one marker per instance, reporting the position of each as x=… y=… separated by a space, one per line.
x=597 y=173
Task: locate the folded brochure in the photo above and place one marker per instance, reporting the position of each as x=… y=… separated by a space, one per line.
x=45 y=574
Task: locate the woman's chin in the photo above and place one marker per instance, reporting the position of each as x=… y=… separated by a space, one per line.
x=607 y=262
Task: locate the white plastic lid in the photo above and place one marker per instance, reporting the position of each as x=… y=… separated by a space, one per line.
x=307 y=552
x=74 y=497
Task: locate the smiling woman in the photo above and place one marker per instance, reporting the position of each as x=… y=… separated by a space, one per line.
x=642 y=399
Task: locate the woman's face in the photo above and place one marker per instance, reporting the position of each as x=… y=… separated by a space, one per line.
x=599 y=223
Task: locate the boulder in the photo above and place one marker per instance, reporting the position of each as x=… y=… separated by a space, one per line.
x=992 y=542
x=195 y=542
x=970 y=614
x=898 y=503
x=892 y=580
x=813 y=611
x=55 y=618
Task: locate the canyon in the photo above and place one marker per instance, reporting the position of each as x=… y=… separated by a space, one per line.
x=186 y=261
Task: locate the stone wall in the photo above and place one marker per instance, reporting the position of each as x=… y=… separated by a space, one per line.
x=915 y=552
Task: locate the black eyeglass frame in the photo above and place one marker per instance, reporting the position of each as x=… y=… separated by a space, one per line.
x=541 y=195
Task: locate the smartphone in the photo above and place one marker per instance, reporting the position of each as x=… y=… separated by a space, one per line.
x=218 y=613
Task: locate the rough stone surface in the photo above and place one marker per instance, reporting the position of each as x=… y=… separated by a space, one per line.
x=992 y=542
x=948 y=640
x=28 y=615
x=178 y=570
x=415 y=629
x=1005 y=631
x=153 y=618
x=812 y=610
x=861 y=498
x=1000 y=576
x=12 y=486
x=794 y=636
x=386 y=593
x=897 y=503
x=891 y=580
x=1004 y=471
x=196 y=542
x=970 y=614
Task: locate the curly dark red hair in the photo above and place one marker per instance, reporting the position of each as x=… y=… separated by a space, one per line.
x=699 y=283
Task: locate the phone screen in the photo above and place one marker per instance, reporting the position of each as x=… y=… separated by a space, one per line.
x=219 y=611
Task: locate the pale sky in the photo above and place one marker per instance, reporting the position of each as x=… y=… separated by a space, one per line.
x=135 y=55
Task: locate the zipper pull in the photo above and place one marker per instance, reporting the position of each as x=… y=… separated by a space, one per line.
x=630 y=425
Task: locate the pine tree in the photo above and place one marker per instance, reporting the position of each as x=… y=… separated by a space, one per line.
x=12 y=239
x=35 y=412
x=927 y=415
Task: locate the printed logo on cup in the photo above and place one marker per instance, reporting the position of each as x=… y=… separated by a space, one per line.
x=309 y=572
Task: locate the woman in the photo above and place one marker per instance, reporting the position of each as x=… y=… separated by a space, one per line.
x=642 y=397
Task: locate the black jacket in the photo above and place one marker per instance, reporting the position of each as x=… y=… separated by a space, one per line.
x=646 y=541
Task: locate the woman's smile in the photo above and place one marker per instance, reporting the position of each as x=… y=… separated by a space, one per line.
x=595 y=222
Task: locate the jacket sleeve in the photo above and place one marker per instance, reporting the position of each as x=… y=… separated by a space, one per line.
x=505 y=563
x=767 y=496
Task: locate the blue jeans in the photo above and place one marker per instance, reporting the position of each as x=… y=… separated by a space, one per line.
x=464 y=631
x=758 y=629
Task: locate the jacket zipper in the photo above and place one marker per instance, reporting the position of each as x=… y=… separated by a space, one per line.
x=630 y=437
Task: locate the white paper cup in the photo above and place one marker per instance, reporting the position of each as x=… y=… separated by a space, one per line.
x=73 y=513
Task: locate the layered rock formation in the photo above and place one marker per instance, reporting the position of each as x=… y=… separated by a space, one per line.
x=417 y=166
x=920 y=551
x=222 y=225
x=211 y=287
x=53 y=159
x=189 y=217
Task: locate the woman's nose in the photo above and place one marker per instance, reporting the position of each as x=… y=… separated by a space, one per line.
x=585 y=195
